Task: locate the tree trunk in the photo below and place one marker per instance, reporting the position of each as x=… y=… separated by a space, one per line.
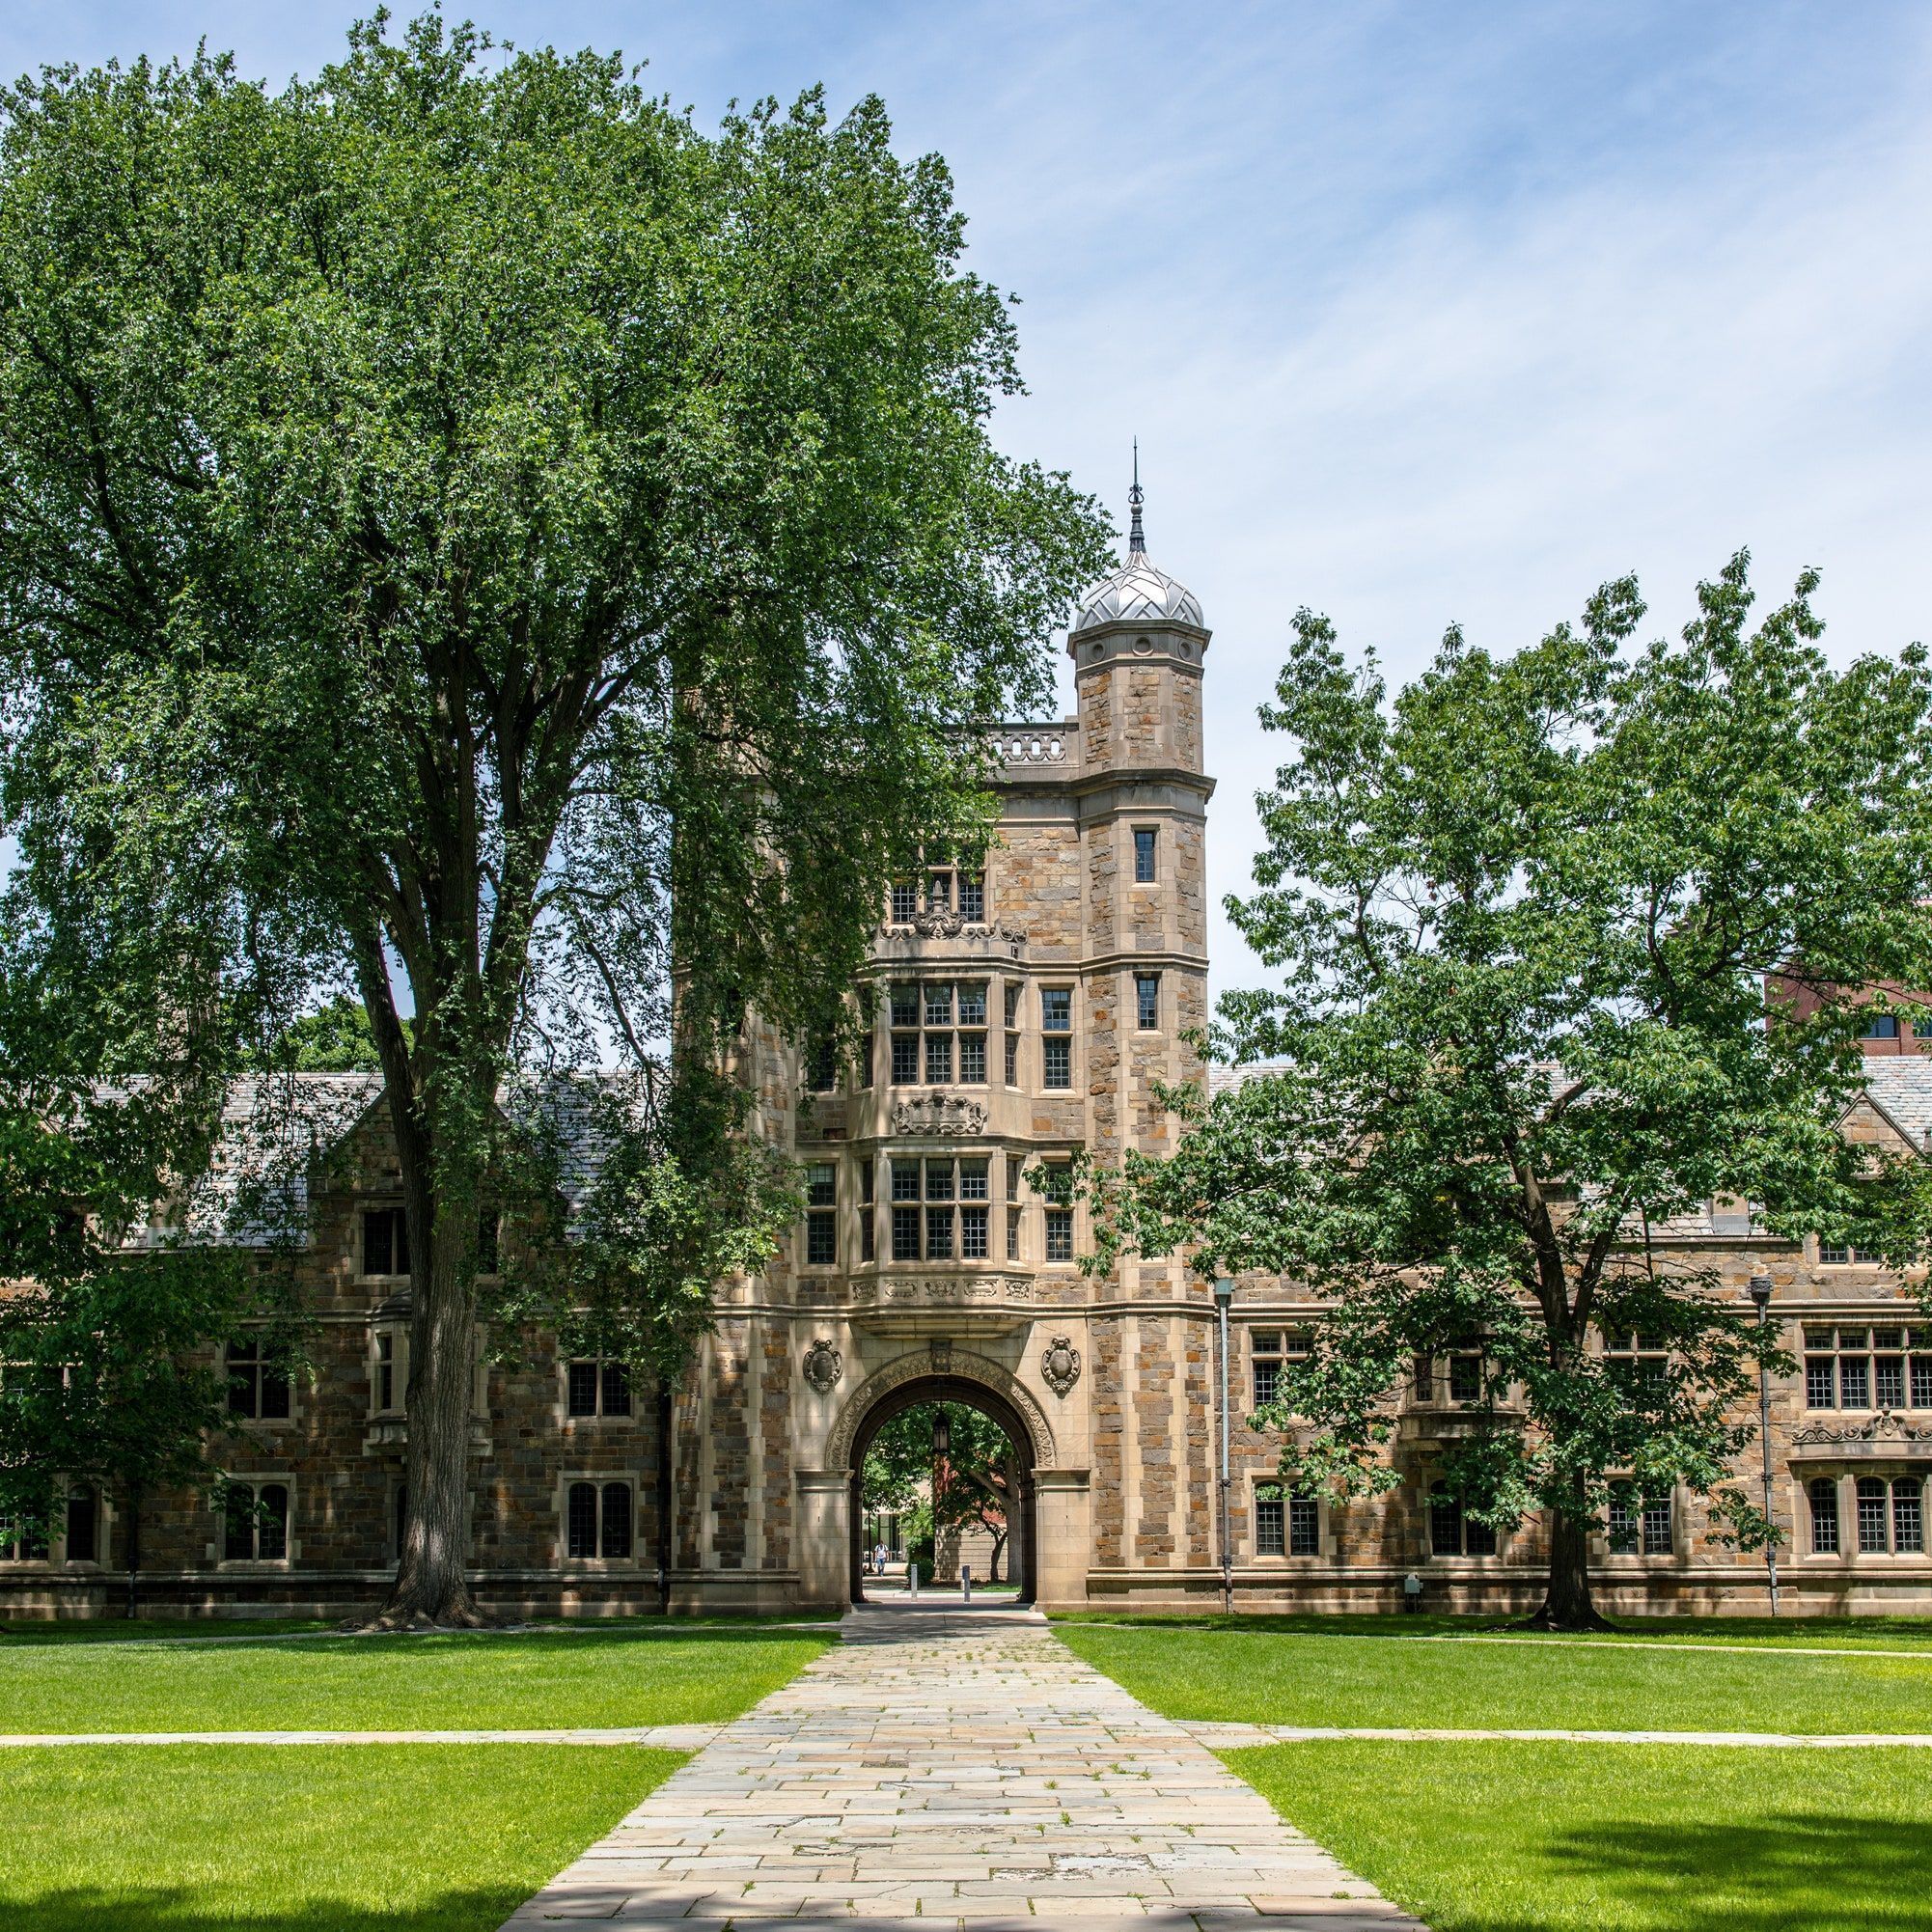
x=133 y=1550
x=998 y=1545
x=1567 y=1604
x=431 y=1587
x=664 y=1502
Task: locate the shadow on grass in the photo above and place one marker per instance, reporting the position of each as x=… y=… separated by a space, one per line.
x=1779 y=1872
x=1825 y=1631
x=178 y=1909
x=325 y=1639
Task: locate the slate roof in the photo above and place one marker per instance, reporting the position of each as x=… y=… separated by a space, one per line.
x=276 y=1129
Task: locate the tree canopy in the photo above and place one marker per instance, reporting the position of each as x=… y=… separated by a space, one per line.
x=1525 y=914
x=471 y=540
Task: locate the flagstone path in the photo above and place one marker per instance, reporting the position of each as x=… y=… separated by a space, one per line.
x=961 y=1769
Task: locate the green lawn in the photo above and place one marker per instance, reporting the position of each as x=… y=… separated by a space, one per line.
x=152 y=1630
x=1821 y=1633
x=299 y=1838
x=1578 y=1838
x=1270 y=1676
x=533 y=1679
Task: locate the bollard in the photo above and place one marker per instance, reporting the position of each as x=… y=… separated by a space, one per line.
x=912 y=1580
x=966 y=1582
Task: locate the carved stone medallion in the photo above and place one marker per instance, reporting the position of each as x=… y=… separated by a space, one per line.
x=823 y=1366
x=1059 y=1366
x=942 y=1357
x=939 y=1114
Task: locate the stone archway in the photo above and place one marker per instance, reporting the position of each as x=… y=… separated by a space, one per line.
x=944 y=1375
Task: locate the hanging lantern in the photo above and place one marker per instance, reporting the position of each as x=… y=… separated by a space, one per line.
x=942 y=1436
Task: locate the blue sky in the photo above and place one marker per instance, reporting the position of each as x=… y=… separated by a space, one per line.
x=1422 y=313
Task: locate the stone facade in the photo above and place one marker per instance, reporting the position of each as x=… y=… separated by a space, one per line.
x=1023 y=1014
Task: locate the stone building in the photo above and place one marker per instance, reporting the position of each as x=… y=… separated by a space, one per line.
x=1023 y=1011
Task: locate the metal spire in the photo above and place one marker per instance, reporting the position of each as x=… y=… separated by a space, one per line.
x=1137 y=537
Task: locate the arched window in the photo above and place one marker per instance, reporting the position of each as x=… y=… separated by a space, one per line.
x=1873 y=1539
x=255 y=1525
x=1824 y=1495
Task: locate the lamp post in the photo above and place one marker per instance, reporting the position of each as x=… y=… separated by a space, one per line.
x=1224 y=1293
x=1759 y=1291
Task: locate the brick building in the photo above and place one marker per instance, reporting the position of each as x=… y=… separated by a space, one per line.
x=1023 y=1011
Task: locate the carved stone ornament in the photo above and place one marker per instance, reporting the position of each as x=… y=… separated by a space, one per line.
x=939 y=1114
x=1059 y=1366
x=823 y=1366
x=1882 y=1428
x=942 y=1357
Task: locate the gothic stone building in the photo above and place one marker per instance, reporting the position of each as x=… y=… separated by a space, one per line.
x=1023 y=1013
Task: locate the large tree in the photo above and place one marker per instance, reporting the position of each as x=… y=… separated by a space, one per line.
x=1524 y=913
x=470 y=540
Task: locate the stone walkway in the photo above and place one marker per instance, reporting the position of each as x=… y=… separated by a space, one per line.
x=961 y=1769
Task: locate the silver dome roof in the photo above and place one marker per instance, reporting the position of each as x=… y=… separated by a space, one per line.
x=1137 y=592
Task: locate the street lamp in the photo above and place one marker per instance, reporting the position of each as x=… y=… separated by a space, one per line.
x=1759 y=1291
x=1224 y=1293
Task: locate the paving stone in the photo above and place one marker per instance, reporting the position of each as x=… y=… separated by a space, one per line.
x=957 y=1771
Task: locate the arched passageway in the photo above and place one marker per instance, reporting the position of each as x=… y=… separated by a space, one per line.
x=1022 y=1537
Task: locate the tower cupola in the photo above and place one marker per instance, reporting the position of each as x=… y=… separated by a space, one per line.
x=1138 y=593
x=1137 y=648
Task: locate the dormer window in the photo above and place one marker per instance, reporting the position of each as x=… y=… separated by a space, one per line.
x=385 y=1241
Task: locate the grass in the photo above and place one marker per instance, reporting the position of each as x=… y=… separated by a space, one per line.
x=490 y=1681
x=301 y=1839
x=1266 y=1676
x=152 y=1630
x=1578 y=1838
x=1824 y=1632
x=167 y=1629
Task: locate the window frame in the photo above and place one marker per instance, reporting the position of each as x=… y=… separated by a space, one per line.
x=258 y=1364
x=1438 y=1499
x=603 y=1481
x=1304 y=1522
x=1147 y=858
x=256 y=1483
x=606 y=1372
x=1639 y=1523
x=929 y=1051
x=1147 y=1003
x=58 y=1534
x=820 y=1246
